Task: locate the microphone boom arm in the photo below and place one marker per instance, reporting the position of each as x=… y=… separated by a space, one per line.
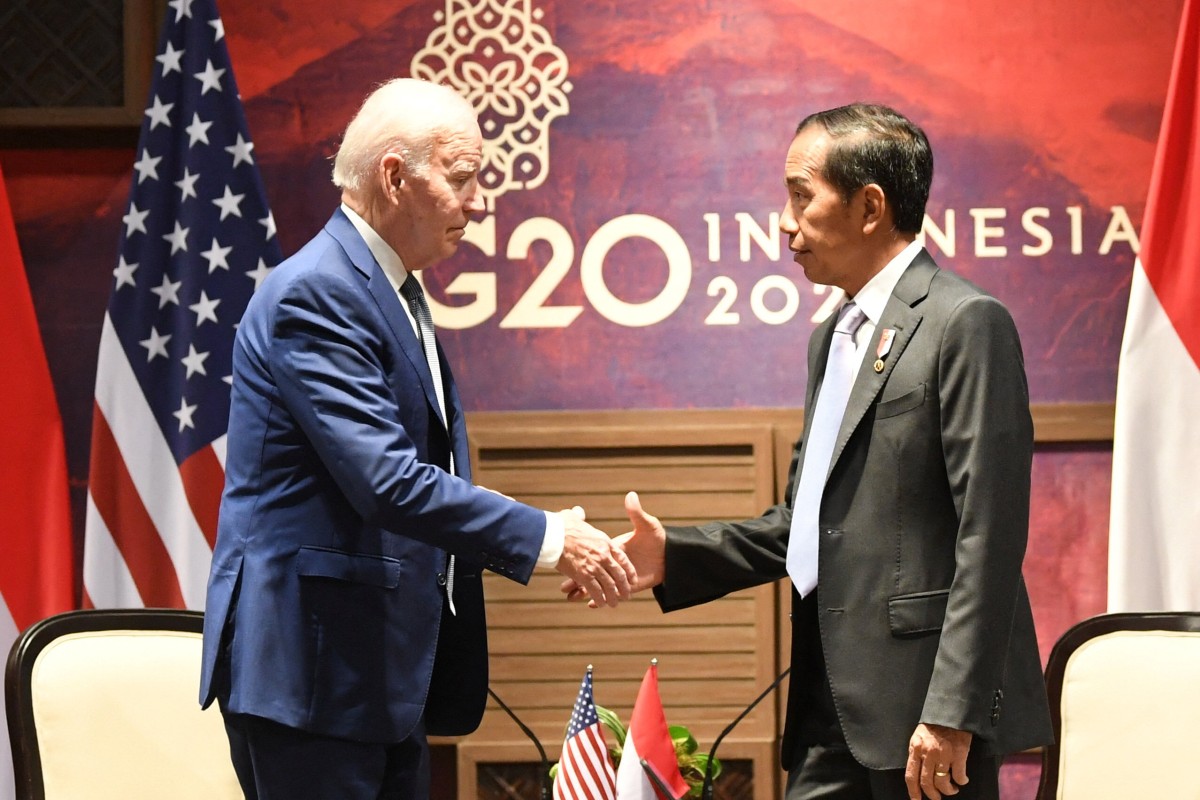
x=706 y=791
x=545 y=781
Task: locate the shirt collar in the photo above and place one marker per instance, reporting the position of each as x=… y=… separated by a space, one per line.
x=873 y=297
x=388 y=259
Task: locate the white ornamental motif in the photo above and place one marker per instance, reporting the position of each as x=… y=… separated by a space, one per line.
x=497 y=55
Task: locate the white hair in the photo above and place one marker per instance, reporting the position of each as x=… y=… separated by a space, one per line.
x=403 y=116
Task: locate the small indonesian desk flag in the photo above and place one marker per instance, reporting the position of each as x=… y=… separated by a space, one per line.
x=648 y=740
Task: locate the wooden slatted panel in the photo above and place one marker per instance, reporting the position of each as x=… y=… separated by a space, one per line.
x=713 y=659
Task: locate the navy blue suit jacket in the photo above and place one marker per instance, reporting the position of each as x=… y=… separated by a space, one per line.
x=325 y=608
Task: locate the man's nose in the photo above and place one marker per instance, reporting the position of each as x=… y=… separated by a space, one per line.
x=475 y=203
x=787 y=220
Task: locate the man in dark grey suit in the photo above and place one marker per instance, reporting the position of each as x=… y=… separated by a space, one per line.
x=914 y=661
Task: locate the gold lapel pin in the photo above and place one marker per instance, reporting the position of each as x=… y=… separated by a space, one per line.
x=884 y=347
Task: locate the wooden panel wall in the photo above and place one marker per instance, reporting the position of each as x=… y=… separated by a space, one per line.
x=712 y=659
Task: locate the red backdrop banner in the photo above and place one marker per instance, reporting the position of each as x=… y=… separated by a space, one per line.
x=630 y=258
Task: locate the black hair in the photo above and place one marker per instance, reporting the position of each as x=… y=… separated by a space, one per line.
x=875 y=144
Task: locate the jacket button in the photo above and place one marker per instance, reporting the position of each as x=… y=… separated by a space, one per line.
x=441 y=579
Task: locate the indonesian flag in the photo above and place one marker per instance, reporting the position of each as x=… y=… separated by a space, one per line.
x=36 y=554
x=1154 y=535
x=648 y=739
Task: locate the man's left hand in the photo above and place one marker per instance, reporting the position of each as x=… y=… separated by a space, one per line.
x=937 y=761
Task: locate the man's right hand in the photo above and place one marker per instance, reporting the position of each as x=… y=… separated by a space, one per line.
x=645 y=546
x=592 y=561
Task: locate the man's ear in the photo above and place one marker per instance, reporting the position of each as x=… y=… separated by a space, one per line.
x=875 y=207
x=391 y=174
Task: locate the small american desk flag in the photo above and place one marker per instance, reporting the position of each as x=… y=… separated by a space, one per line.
x=585 y=771
x=197 y=241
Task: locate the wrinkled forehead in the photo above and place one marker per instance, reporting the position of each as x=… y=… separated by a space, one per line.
x=806 y=155
x=461 y=141
x=417 y=110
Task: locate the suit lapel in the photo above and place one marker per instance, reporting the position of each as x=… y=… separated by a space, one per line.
x=342 y=229
x=900 y=316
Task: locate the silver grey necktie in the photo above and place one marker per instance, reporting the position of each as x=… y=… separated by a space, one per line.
x=804 y=541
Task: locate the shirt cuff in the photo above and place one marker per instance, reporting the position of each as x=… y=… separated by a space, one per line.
x=552 y=544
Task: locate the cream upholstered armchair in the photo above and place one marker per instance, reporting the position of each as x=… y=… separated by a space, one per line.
x=1125 y=699
x=102 y=704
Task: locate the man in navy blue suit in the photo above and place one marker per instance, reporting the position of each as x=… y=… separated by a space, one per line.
x=344 y=617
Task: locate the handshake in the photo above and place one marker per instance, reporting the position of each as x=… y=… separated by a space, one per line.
x=606 y=571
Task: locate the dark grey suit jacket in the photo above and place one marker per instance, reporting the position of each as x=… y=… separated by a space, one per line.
x=922 y=609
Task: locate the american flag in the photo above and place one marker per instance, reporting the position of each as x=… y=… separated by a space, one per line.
x=585 y=771
x=198 y=239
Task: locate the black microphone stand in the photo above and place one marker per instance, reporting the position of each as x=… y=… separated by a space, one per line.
x=547 y=786
x=706 y=788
